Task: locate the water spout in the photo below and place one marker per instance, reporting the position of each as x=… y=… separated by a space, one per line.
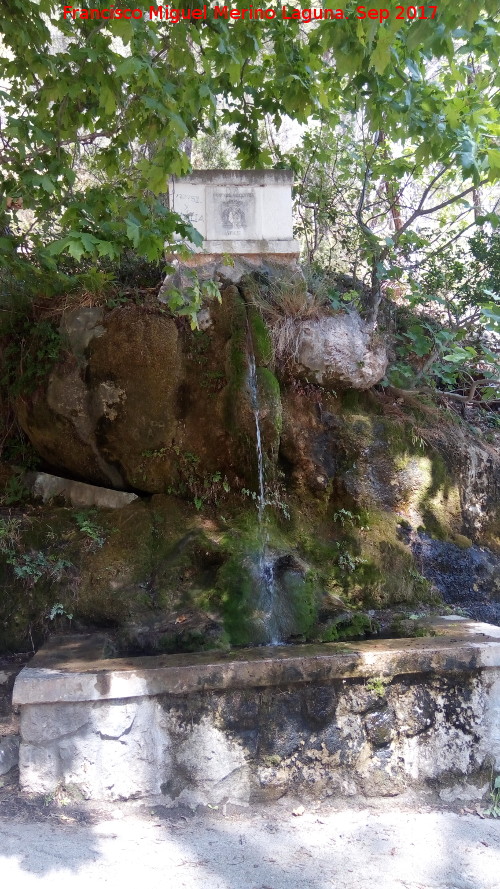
x=267 y=604
x=254 y=398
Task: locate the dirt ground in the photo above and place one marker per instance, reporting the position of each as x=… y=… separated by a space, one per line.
x=396 y=843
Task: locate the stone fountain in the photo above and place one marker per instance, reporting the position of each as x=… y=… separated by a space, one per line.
x=373 y=717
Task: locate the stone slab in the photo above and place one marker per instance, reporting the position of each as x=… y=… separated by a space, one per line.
x=77 y=494
x=74 y=668
x=238 y=211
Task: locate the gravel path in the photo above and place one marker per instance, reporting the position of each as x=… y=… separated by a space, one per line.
x=383 y=843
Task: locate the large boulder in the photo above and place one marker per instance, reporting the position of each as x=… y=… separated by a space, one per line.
x=340 y=350
x=140 y=401
x=110 y=399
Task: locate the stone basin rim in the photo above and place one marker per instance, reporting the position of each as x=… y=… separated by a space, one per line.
x=74 y=668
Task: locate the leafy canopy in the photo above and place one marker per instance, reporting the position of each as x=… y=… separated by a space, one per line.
x=96 y=114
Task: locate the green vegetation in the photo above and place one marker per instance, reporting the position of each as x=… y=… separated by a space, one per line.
x=90 y=173
x=494 y=808
x=89 y=527
x=15 y=490
x=378 y=685
x=32 y=349
x=356 y=627
x=189 y=301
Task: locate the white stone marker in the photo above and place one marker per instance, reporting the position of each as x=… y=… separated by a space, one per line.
x=244 y=212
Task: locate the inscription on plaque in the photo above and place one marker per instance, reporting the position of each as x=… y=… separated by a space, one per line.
x=232 y=212
x=190 y=204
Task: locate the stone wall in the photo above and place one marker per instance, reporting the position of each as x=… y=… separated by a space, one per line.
x=371 y=719
x=9 y=721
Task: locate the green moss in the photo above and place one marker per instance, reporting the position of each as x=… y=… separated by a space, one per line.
x=272 y=760
x=314 y=547
x=301 y=593
x=270 y=398
x=439 y=504
x=236 y=585
x=351 y=399
x=144 y=564
x=355 y=628
x=192 y=641
x=37 y=572
x=372 y=568
x=409 y=628
x=261 y=339
x=237 y=363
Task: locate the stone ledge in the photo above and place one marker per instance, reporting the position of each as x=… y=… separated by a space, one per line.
x=263 y=247
x=75 y=668
x=78 y=494
x=223 y=177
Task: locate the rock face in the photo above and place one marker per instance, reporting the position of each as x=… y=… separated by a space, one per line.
x=465 y=576
x=138 y=401
x=112 y=397
x=9 y=753
x=341 y=350
x=141 y=402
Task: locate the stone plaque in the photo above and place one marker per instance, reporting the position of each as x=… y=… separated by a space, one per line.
x=237 y=211
x=232 y=213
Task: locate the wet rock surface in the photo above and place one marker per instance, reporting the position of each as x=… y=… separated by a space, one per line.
x=186 y=630
x=139 y=401
x=468 y=578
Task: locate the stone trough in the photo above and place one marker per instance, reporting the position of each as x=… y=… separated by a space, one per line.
x=373 y=718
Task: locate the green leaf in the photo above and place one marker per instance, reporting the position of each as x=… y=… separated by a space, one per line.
x=124 y=29
x=47 y=184
x=494 y=160
x=459 y=355
x=178 y=124
x=133 y=232
x=381 y=55
x=156 y=179
x=88 y=241
x=413 y=69
x=108 y=100
x=106 y=248
x=417 y=34
x=129 y=67
x=55 y=248
x=75 y=248
x=234 y=71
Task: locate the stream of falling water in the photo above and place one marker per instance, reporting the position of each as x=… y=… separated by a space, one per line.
x=268 y=600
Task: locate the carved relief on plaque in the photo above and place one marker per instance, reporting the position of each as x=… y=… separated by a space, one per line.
x=233 y=213
x=233 y=216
